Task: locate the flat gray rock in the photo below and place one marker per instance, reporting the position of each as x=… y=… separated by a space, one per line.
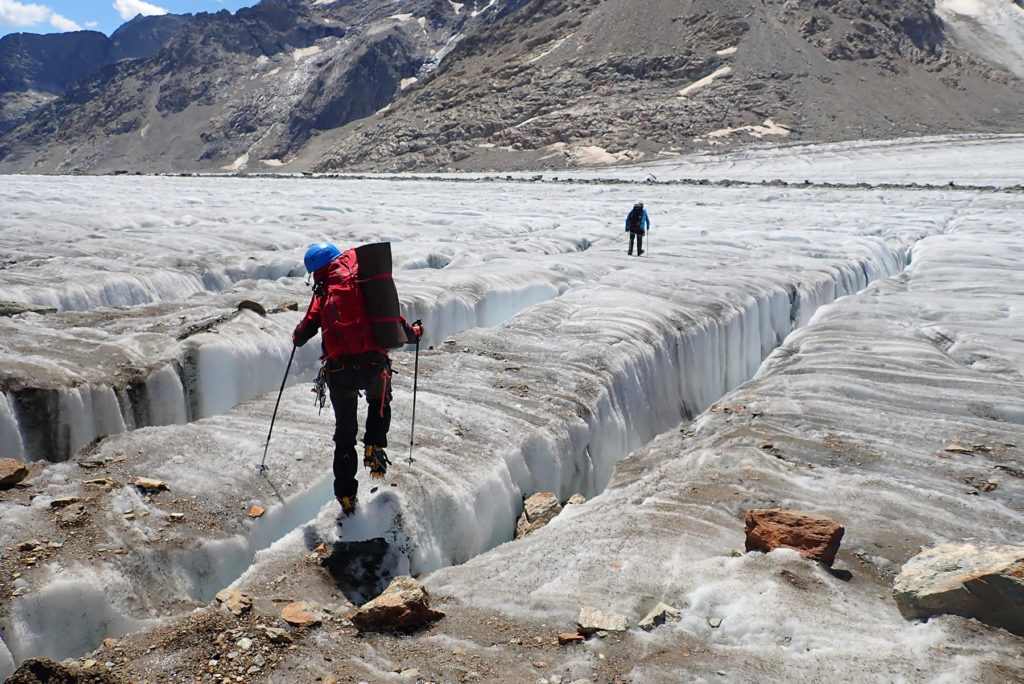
x=974 y=580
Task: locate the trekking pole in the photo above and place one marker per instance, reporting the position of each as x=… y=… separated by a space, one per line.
x=415 y=377
x=262 y=468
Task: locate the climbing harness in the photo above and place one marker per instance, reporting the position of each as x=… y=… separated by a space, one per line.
x=320 y=388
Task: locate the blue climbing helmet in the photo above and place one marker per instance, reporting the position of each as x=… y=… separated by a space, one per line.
x=319 y=255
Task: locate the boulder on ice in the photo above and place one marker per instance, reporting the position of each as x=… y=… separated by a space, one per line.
x=814 y=536
x=403 y=605
x=981 y=581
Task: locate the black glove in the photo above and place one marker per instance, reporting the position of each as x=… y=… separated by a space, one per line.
x=298 y=338
x=414 y=332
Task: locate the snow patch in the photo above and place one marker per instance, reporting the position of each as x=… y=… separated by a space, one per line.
x=769 y=127
x=489 y=5
x=405 y=16
x=237 y=164
x=272 y=162
x=301 y=53
x=722 y=71
x=456 y=6
x=589 y=155
x=557 y=44
x=406 y=82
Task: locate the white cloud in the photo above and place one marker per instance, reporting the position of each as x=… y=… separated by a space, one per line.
x=129 y=8
x=13 y=13
x=92 y=24
x=63 y=23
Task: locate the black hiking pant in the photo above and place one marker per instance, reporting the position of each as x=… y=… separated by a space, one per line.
x=639 y=235
x=345 y=377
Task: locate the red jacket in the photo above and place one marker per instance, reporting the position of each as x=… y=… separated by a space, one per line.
x=338 y=311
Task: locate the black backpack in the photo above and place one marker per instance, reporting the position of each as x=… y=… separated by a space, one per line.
x=636 y=219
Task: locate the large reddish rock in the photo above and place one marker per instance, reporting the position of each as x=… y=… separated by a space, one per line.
x=814 y=536
x=301 y=614
x=11 y=472
x=403 y=605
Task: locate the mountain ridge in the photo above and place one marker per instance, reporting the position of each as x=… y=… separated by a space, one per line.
x=368 y=85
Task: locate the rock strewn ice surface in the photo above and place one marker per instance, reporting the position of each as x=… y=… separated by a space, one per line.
x=852 y=418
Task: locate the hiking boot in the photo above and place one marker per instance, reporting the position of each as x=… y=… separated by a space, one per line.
x=629 y=252
x=348 y=504
x=376 y=460
x=639 y=252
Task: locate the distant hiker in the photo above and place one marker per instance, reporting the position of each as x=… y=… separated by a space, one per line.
x=353 y=359
x=637 y=224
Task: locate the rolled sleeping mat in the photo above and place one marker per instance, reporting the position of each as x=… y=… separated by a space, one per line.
x=380 y=294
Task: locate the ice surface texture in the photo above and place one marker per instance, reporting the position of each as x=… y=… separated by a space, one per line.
x=555 y=356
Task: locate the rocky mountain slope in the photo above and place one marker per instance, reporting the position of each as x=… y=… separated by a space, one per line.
x=35 y=69
x=421 y=84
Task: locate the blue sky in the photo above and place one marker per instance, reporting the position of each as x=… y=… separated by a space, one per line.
x=54 y=16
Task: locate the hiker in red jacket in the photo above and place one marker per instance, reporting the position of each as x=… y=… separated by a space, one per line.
x=352 y=362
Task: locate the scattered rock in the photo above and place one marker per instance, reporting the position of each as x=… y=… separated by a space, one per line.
x=577 y=499
x=100 y=481
x=235 y=601
x=72 y=515
x=538 y=511
x=289 y=305
x=570 y=637
x=981 y=581
x=403 y=605
x=252 y=306
x=11 y=472
x=147 y=484
x=814 y=536
x=593 y=620
x=64 y=501
x=30 y=545
x=301 y=614
x=15 y=308
x=256 y=511
x=45 y=671
x=277 y=635
x=658 y=616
